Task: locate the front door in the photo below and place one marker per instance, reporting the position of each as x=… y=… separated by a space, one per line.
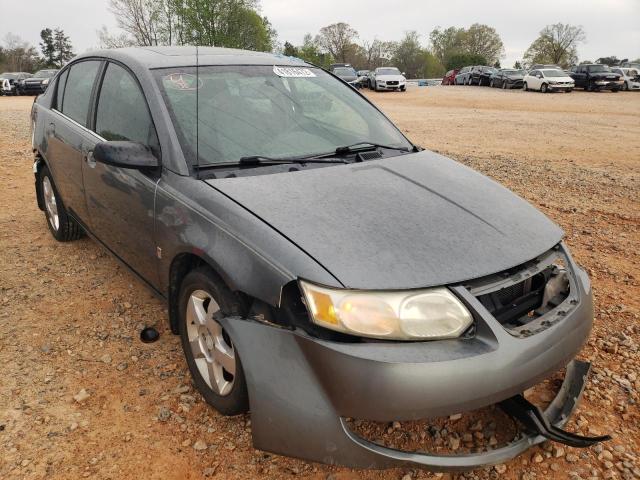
x=121 y=200
x=67 y=133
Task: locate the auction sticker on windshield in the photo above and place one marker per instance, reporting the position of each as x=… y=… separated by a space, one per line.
x=293 y=72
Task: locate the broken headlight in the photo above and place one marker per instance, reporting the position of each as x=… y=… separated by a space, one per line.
x=429 y=314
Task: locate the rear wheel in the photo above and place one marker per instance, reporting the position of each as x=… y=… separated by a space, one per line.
x=212 y=358
x=61 y=225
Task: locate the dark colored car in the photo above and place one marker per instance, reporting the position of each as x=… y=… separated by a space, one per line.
x=450 y=77
x=289 y=226
x=481 y=75
x=9 y=82
x=462 y=77
x=596 y=77
x=507 y=78
x=347 y=75
x=36 y=84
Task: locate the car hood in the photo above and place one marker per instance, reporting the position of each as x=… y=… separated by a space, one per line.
x=390 y=78
x=517 y=76
x=409 y=221
x=561 y=79
x=605 y=75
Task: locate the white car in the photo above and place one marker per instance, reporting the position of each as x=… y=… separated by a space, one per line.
x=630 y=76
x=387 y=78
x=548 y=80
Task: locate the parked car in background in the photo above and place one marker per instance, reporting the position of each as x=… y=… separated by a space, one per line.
x=36 y=84
x=388 y=78
x=484 y=75
x=548 y=80
x=595 y=77
x=347 y=75
x=363 y=78
x=450 y=77
x=630 y=77
x=634 y=65
x=249 y=193
x=9 y=82
x=546 y=66
x=462 y=76
x=507 y=78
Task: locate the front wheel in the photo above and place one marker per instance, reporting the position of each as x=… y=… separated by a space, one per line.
x=625 y=86
x=211 y=356
x=61 y=225
x=544 y=88
x=504 y=85
x=615 y=90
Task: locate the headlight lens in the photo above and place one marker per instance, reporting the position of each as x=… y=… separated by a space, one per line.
x=45 y=81
x=428 y=314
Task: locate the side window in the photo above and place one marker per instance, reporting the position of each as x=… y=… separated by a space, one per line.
x=77 y=93
x=122 y=112
x=62 y=81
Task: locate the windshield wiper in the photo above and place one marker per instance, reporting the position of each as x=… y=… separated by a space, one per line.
x=264 y=160
x=361 y=147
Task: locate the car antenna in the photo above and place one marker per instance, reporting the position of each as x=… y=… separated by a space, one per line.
x=197 y=112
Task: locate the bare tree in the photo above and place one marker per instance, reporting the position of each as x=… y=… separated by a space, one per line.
x=337 y=39
x=557 y=44
x=108 y=40
x=141 y=19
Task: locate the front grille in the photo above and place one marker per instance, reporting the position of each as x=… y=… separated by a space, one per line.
x=393 y=82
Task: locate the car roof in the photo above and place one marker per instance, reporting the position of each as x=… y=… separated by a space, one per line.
x=549 y=70
x=185 y=56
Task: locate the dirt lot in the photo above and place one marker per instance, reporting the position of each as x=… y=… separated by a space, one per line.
x=70 y=316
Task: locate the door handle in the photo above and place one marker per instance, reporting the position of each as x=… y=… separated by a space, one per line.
x=91 y=162
x=51 y=131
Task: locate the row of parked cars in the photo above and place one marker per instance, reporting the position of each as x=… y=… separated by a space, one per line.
x=380 y=79
x=23 y=83
x=549 y=78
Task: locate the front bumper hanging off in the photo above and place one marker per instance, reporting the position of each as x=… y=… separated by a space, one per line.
x=303 y=389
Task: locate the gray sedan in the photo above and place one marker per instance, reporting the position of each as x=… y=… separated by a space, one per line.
x=316 y=264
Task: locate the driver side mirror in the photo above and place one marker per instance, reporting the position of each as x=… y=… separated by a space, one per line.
x=125 y=155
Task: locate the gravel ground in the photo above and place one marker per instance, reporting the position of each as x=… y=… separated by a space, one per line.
x=81 y=396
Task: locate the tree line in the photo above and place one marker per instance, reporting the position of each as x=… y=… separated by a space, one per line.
x=16 y=55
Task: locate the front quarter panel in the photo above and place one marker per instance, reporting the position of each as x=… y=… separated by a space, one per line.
x=250 y=256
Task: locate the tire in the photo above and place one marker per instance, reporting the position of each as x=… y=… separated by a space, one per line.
x=589 y=87
x=204 y=296
x=491 y=84
x=61 y=225
x=625 y=86
x=525 y=87
x=504 y=85
x=615 y=90
x=403 y=89
x=544 y=88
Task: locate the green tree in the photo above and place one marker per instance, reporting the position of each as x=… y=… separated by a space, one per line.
x=557 y=44
x=47 y=47
x=517 y=65
x=431 y=66
x=63 y=48
x=483 y=40
x=612 y=61
x=310 y=52
x=409 y=55
x=337 y=39
x=459 y=60
x=290 y=50
x=447 y=42
x=497 y=64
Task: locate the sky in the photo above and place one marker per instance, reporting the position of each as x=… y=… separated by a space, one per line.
x=612 y=26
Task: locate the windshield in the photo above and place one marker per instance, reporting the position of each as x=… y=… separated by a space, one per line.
x=514 y=72
x=44 y=73
x=231 y=112
x=387 y=71
x=599 y=68
x=554 y=73
x=344 y=72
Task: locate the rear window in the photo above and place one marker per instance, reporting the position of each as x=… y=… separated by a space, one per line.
x=77 y=93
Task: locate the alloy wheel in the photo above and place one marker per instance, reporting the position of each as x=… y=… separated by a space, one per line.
x=50 y=203
x=212 y=349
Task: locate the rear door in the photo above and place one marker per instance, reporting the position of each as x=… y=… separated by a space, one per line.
x=121 y=200
x=68 y=134
x=580 y=76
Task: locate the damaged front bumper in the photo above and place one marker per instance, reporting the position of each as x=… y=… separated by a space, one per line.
x=302 y=389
